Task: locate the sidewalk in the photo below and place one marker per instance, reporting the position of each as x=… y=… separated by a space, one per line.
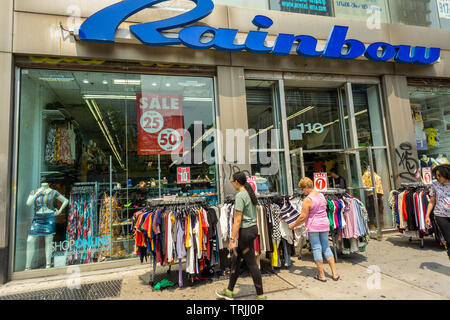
x=391 y=269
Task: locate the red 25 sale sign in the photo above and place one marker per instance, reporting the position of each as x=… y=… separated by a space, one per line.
x=160 y=124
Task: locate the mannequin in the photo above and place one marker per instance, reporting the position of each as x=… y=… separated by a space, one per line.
x=367 y=182
x=44 y=221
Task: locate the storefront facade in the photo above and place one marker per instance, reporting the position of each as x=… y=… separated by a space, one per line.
x=74 y=111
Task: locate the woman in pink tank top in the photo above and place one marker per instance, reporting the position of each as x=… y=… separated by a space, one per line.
x=314 y=212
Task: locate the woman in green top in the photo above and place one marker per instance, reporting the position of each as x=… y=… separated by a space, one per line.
x=245 y=230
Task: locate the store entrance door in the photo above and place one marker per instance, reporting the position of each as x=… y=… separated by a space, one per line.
x=330 y=129
x=317 y=132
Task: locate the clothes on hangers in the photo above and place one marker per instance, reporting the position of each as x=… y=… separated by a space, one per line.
x=81 y=224
x=186 y=231
x=409 y=208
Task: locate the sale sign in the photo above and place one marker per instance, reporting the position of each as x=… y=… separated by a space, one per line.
x=252 y=181
x=426 y=176
x=320 y=181
x=183 y=175
x=160 y=124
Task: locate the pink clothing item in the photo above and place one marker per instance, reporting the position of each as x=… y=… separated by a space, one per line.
x=351 y=229
x=318 y=218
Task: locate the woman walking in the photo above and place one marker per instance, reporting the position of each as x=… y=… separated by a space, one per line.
x=243 y=236
x=314 y=212
x=440 y=202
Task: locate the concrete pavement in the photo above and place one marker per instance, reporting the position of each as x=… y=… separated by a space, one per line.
x=391 y=269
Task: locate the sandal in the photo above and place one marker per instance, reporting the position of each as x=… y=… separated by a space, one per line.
x=336 y=279
x=318 y=278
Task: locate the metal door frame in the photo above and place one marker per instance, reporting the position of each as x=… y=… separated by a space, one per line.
x=350 y=148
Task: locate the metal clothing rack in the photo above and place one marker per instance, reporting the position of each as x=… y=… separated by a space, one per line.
x=333 y=232
x=416 y=185
x=162 y=202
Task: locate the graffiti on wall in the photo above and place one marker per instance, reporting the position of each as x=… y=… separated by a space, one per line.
x=408 y=165
x=228 y=170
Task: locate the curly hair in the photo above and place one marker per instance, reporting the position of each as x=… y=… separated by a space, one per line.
x=306 y=183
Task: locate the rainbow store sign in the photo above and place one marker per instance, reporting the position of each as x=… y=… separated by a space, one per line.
x=102 y=26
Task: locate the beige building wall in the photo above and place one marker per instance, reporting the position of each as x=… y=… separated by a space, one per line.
x=400 y=125
x=6 y=97
x=232 y=115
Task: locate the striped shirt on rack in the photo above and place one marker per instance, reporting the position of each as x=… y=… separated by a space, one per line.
x=289 y=213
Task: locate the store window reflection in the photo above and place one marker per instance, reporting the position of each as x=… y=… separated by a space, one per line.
x=414 y=12
x=372 y=11
x=256 y=4
x=315 y=7
x=430 y=111
x=86 y=164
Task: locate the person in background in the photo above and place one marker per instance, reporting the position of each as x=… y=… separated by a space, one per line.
x=339 y=182
x=243 y=237
x=314 y=212
x=440 y=202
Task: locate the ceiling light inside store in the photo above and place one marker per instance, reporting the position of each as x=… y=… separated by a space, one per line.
x=197 y=99
x=191 y=84
x=56 y=79
x=300 y=112
x=105 y=82
x=108 y=97
x=168 y=84
x=154 y=84
x=93 y=107
x=128 y=82
x=86 y=81
x=124 y=97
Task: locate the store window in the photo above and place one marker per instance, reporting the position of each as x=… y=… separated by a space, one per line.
x=372 y=11
x=256 y=4
x=264 y=123
x=93 y=148
x=315 y=7
x=415 y=12
x=444 y=13
x=430 y=109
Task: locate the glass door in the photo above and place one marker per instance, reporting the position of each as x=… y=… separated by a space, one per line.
x=265 y=138
x=316 y=139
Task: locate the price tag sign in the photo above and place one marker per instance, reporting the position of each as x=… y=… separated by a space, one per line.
x=160 y=124
x=183 y=175
x=252 y=181
x=444 y=9
x=320 y=181
x=426 y=176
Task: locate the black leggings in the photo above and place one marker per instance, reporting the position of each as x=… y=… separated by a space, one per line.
x=246 y=251
x=444 y=227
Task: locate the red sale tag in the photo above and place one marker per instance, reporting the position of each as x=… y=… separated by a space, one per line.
x=252 y=181
x=183 y=175
x=320 y=181
x=426 y=176
x=160 y=124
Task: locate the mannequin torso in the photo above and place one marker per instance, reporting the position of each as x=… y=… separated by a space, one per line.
x=44 y=200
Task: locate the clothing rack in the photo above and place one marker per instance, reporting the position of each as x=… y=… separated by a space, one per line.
x=411 y=185
x=333 y=233
x=185 y=201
